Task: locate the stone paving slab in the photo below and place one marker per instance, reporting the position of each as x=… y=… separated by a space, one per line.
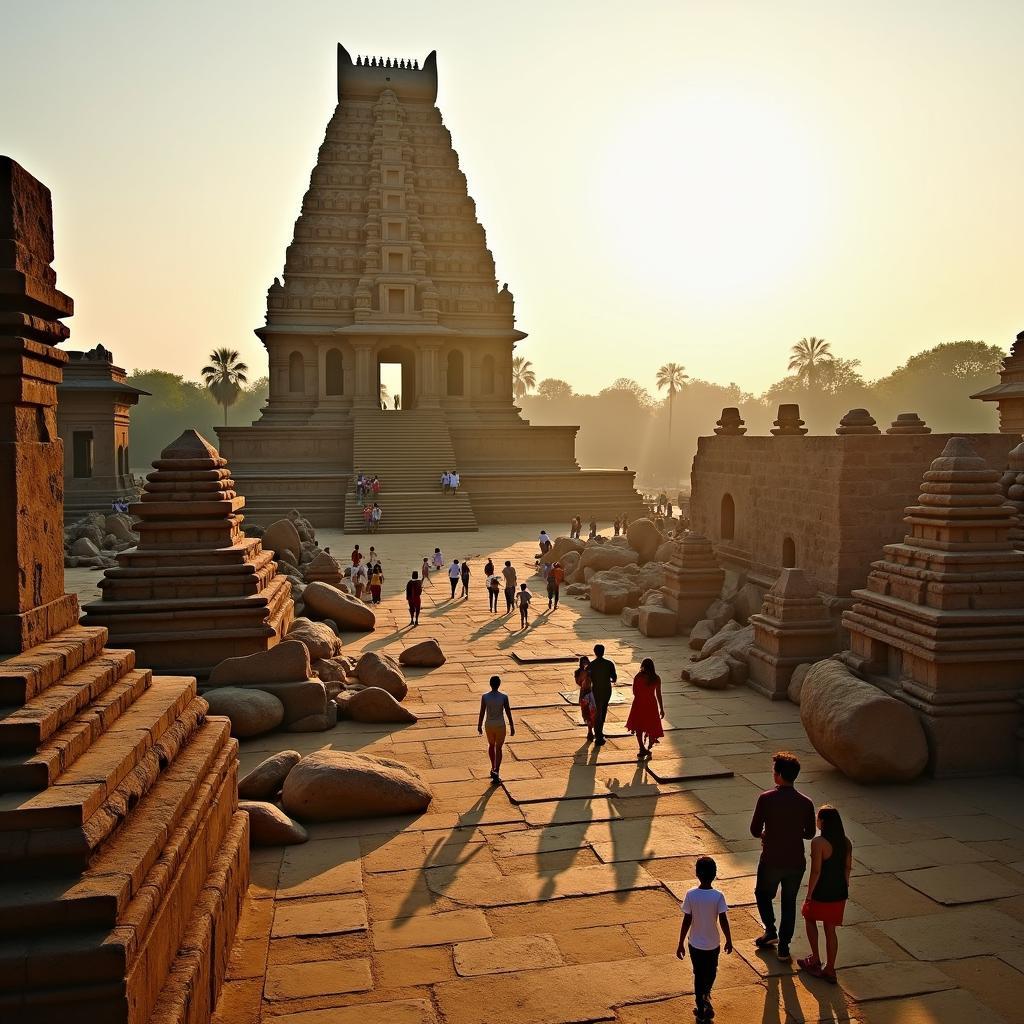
x=400 y=1011
x=500 y=956
x=434 y=930
x=319 y=917
x=958 y=932
x=323 y=978
x=899 y=978
x=951 y=885
x=938 y=1008
x=680 y=769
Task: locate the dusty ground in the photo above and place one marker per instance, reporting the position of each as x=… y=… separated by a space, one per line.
x=554 y=898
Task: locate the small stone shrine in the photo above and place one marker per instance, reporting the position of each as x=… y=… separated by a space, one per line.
x=693 y=580
x=124 y=857
x=1008 y=394
x=196 y=590
x=940 y=624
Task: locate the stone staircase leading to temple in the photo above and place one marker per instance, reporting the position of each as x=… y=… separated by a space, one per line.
x=408 y=451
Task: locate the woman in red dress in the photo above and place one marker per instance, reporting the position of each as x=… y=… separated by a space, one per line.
x=647 y=710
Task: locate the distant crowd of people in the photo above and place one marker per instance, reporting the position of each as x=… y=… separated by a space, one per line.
x=450 y=481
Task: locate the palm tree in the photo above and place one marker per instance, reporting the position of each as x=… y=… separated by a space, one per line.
x=523 y=377
x=807 y=356
x=672 y=376
x=225 y=377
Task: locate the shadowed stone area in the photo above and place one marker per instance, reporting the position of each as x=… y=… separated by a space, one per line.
x=601 y=877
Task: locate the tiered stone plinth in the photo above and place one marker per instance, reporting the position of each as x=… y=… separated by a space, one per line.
x=792 y=627
x=123 y=855
x=857 y=421
x=196 y=590
x=730 y=423
x=788 y=423
x=909 y=423
x=693 y=580
x=941 y=622
x=1008 y=394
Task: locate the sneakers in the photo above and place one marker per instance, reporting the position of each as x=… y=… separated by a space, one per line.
x=782 y=954
x=766 y=940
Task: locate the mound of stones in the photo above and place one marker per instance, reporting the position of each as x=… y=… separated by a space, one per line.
x=95 y=540
x=293 y=542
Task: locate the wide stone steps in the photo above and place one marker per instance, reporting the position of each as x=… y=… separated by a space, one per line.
x=416 y=512
x=26 y=675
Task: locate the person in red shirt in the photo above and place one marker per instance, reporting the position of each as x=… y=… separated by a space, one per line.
x=357 y=555
x=783 y=819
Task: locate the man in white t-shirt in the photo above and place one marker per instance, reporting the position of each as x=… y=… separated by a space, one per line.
x=704 y=911
x=454 y=576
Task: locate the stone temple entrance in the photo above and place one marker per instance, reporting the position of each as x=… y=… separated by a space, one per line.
x=402 y=359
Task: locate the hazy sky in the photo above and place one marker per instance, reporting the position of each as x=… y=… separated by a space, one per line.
x=690 y=181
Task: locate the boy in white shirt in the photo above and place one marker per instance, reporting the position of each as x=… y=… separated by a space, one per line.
x=704 y=910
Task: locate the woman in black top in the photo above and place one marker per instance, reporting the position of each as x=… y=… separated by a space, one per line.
x=828 y=887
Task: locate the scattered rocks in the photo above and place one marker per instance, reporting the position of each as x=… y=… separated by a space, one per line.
x=85 y=548
x=610 y=595
x=796 y=682
x=264 y=782
x=270 y=826
x=321 y=641
x=321 y=721
x=322 y=601
x=333 y=785
x=288 y=661
x=570 y=562
x=656 y=620
x=713 y=674
x=644 y=538
x=251 y=712
x=375 y=705
x=701 y=633
x=605 y=556
x=566 y=545
x=665 y=551
x=868 y=735
x=630 y=617
x=719 y=639
x=375 y=669
x=283 y=539
x=578 y=590
x=425 y=654
x=748 y=602
x=720 y=612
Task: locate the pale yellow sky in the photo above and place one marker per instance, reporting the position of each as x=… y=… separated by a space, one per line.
x=688 y=181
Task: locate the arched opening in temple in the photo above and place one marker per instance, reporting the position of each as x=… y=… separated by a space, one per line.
x=396 y=377
x=456 y=373
x=727 y=518
x=296 y=373
x=334 y=376
x=788 y=553
x=487 y=375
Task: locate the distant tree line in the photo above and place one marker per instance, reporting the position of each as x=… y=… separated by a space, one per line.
x=625 y=425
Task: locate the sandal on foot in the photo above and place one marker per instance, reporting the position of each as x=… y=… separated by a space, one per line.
x=810 y=964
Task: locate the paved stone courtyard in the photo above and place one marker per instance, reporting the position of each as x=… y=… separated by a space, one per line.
x=554 y=897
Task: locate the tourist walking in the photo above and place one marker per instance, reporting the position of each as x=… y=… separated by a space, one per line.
x=828 y=887
x=617 y=527
x=783 y=818
x=494 y=708
x=510 y=577
x=367 y=517
x=593 y=529
x=375 y=517
x=704 y=912
x=425 y=571
x=376 y=583
x=359 y=581
x=357 y=555
x=454 y=575
x=465 y=580
x=545 y=542
x=489 y=567
x=647 y=709
x=444 y=482
x=603 y=677
x=523 y=598
x=493 y=591
x=588 y=708
x=555 y=577
x=413 y=597
x=375 y=486
x=454 y=481
x=438 y=560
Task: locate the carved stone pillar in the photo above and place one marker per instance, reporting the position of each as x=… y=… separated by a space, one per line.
x=367 y=395
x=430 y=362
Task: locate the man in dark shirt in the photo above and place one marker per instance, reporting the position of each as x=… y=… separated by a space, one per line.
x=783 y=819
x=602 y=677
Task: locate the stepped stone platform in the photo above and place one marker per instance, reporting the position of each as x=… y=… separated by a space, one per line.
x=196 y=590
x=124 y=860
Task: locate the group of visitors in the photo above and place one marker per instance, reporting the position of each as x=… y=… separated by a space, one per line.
x=119 y=505
x=620 y=525
x=783 y=819
x=372 y=515
x=576 y=528
x=554 y=576
x=450 y=481
x=367 y=486
x=367 y=574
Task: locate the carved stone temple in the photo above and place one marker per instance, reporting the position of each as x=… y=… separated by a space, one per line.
x=389 y=265
x=124 y=859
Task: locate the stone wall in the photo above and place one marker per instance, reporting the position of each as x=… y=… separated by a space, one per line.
x=837 y=499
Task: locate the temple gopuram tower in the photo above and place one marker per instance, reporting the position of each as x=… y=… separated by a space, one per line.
x=124 y=859
x=390 y=266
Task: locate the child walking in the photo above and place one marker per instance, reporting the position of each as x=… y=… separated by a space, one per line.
x=828 y=887
x=524 y=597
x=704 y=912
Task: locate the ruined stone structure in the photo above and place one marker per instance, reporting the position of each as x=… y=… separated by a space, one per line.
x=1008 y=394
x=124 y=856
x=94 y=403
x=693 y=579
x=825 y=504
x=792 y=627
x=940 y=624
x=195 y=590
x=389 y=265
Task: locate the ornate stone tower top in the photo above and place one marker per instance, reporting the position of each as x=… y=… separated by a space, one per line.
x=1008 y=394
x=367 y=77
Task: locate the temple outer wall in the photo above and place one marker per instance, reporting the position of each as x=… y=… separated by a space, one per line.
x=838 y=499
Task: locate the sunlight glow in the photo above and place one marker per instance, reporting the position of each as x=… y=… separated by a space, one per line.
x=728 y=198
